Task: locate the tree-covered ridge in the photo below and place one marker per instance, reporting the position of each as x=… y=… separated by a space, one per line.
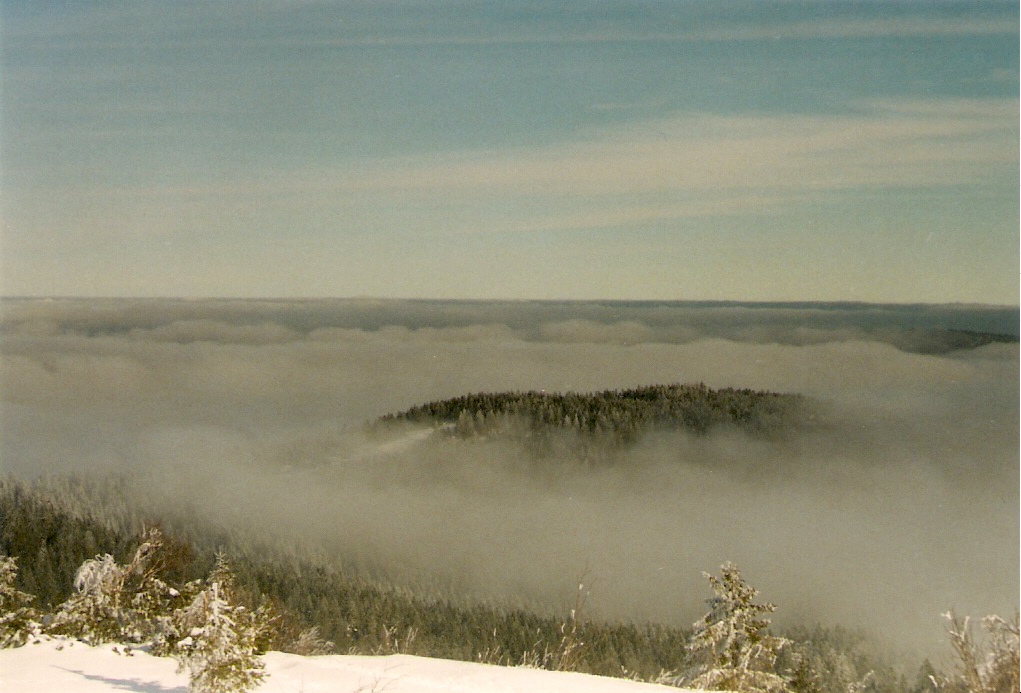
x=941 y=341
x=620 y=415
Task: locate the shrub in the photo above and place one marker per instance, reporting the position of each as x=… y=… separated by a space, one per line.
x=310 y=643
x=991 y=666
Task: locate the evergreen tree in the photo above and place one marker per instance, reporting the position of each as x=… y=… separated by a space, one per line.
x=730 y=644
x=117 y=603
x=17 y=618
x=219 y=651
x=93 y=612
x=927 y=680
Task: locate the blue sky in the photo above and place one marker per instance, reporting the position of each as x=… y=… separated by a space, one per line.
x=570 y=150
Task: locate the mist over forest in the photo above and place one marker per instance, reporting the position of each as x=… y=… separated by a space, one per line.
x=896 y=502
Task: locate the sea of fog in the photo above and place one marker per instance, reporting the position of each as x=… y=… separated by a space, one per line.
x=899 y=502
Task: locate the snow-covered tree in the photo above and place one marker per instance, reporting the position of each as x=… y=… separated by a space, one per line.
x=730 y=644
x=93 y=613
x=992 y=666
x=117 y=603
x=17 y=618
x=219 y=651
x=310 y=643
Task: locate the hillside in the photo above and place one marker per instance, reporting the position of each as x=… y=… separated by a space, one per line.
x=54 y=525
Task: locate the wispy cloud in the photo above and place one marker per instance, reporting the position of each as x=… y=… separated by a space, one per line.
x=151 y=133
x=693 y=165
x=481 y=24
x=834 y=29
x=686 y=166
x=864 y=28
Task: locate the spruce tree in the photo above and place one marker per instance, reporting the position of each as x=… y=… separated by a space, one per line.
x=93 y=613
x=219 y=651
x=731 y=646
x=118 y=603
x=17 y=618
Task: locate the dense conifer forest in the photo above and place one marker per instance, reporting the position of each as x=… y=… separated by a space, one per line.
x=53 y=525
x=610 y=418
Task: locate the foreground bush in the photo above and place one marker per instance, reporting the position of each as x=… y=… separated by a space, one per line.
x=213 y=638
x=989 y=666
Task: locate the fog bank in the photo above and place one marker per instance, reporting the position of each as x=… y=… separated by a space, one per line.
x=898 y=503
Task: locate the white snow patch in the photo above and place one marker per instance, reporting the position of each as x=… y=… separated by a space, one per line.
x=59 y=666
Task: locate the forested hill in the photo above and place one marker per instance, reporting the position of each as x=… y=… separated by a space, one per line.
x=618 y=415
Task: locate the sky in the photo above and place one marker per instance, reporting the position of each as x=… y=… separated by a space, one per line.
x=723 y=150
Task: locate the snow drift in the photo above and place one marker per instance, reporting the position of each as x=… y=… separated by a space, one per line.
x=59 y=666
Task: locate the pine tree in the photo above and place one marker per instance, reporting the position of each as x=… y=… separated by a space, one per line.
x=219 y=651
x=117 y=603
x=730 y=644
x=927 y=680
x=93 y=612
x=17 y=618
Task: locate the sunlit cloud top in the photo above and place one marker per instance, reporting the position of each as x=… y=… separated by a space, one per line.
x=698 y=150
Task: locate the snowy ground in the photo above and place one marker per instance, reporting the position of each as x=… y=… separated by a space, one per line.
x=59 y=666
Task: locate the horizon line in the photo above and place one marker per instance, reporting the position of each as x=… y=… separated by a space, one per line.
x=424 y=299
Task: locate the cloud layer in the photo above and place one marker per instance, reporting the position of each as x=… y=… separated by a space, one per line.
x=900 y=503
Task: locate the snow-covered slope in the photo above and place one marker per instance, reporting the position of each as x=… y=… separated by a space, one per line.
x=59 y=666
